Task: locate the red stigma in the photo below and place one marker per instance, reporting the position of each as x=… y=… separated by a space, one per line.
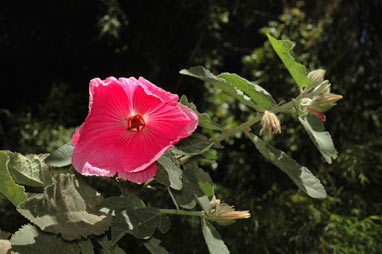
x=135 y=123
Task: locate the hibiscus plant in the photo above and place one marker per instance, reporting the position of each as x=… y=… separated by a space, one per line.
x=140 y=137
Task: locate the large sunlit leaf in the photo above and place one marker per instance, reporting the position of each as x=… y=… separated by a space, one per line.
x=62 y=156
x=30 y=170
x=172 y=175
x=283 y=49
x=30 y=240
x=205 y=75
x=12 y=191
x=300 y=175
x=69 y=208
x=204 y=119
x=245 y=91
x=153 y=245
x=213 y=239
x=193 y=145
x=258 y=94
x=321 y=138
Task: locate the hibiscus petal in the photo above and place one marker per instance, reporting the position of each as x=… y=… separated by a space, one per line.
x=166 y=124
x=141 y=176
x=102 y=137
x=90 y=170
x=76 y=137
x=150 y=88
x=191 y=126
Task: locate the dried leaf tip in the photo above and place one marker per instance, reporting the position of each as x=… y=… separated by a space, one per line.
x=270 y=122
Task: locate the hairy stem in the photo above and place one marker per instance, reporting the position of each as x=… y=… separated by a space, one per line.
x=182 y=212
x=238 y=129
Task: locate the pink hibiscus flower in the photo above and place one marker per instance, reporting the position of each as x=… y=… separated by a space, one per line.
x=130 y=124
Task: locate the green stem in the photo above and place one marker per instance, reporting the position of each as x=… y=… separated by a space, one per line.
x=184 y=159
x=238 y=129
x=173 y=198
x=182 y=212
x=284 y=108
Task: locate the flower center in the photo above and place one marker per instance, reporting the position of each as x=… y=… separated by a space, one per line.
x=135 y=123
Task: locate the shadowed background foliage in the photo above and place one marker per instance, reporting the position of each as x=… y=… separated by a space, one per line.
x=49 y=50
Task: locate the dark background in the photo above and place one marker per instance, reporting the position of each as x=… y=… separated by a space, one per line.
x=49 y=50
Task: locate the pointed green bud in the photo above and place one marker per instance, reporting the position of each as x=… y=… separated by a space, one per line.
x=320 y=103
x=325 y=101
x=324 y=87
x=317 y=76
x=225 y=214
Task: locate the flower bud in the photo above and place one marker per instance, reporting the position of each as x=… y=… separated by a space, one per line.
x=271 y=123
x=306 y=102
x=320 y=103
x=317 y=76
x=325 y=101
x=323 y=87
x=225 y=214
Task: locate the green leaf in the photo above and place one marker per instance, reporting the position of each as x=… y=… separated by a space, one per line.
x=86 y=246
x=204 y=181
x=169 y=164
x=162 y=176
x=258 y=94
x=197 y=185
x=193 y=145
x=300 y=175
x=113 y=205
x=213 y=239
x=207 y=188
x=321 y=138
x=30 y=170
x=185 y=197
x=30 y=240
x=132 y=217
x=204 y=119
x=153 y=245
x=108 y=247
x=62 y=156
x=12 y=191
x=297 y=70
x=205 y=75
x=68 y=207
x=139 y=222
x=204 y=203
